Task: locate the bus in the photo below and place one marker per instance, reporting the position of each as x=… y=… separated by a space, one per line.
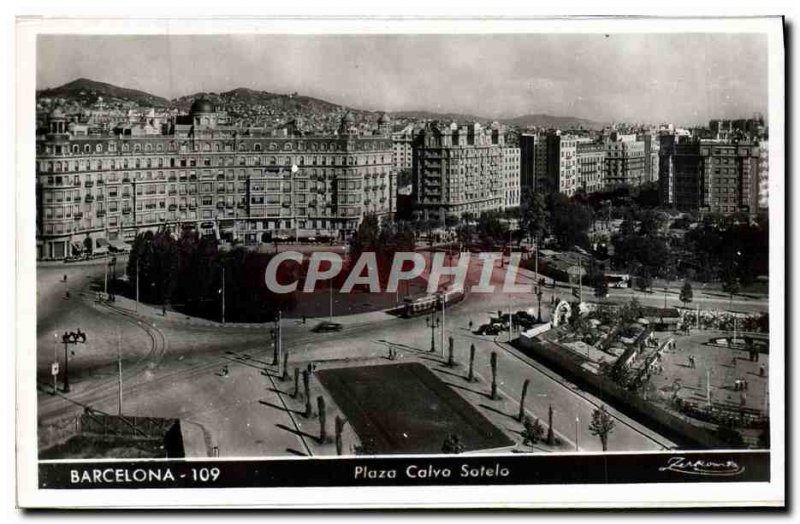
x=618 y=280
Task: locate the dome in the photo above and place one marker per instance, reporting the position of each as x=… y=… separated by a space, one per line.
x=348 y=119
x=58 y=113
x=202 y=105
x=384 y=119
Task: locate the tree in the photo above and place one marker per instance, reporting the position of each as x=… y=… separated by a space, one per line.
x=569 y=221
x=601 y=286
x=533 y=214
x=450 y=360
x=452 y=444
x=532 y=431
x=471 y=375
x=323 y=430
x=491 y=228
x=493 y=363
x=521 y=415
x=686 y=295
x=307 y=388
x=338 y=425
x=602 y=425
x=644 y=282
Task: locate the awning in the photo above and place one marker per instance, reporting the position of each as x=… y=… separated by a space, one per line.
x=77 y=245
x=102 y=242
x=119 y=245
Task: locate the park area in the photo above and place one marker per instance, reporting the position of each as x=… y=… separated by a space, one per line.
x=710 y=377
x=405 y=408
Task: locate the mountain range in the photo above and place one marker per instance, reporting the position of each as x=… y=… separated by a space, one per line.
x=243 y=100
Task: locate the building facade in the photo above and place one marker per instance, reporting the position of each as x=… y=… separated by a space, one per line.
x=533 y=161
x=709 y=175
x=200 y=173
x=763 y=175
x=625 y=161
x=561 y=172
x=511 y=177
x=591 y=156
x=456 y=170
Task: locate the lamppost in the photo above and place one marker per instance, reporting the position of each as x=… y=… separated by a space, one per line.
x=222 y=292
x=440 y=300
x=71 y=337
x=665 y=297
x=433 y=323
x=539 y=294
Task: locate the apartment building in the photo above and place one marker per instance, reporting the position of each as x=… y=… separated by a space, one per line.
x=202 y=173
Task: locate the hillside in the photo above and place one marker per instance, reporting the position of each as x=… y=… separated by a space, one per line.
x=549 y=121
x=85 y=92
x=264 y=108
x=444 y=117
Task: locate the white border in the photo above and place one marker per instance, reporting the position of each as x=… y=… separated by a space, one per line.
x=728 y=495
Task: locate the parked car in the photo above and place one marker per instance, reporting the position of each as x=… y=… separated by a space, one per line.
x=489 y=329
x=327 y=327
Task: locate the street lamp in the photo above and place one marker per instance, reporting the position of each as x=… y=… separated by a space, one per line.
x=539 y=294
x=71 y=337
x=433 y=323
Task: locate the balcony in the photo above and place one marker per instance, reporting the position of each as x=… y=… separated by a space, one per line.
x=77 y=216
x=172 y=207
x=88 y=199
x=126 y=211
x=88 y=183
x=100 y=214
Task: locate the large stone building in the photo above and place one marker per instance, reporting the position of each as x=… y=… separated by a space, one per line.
x=625 y=161
x=651 y=148
x=763 y=175
x=511 y=177
x=591 y=157
x=548 y=163
x=533 y=160
x=237 y=183
x=456 y=170
x=709 y=175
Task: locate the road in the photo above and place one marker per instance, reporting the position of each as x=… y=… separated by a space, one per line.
x=173 y=369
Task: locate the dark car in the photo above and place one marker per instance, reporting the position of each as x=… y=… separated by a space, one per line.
x=489 y=329
x=327 y=327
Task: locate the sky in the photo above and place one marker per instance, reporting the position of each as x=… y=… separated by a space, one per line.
x=648 y=78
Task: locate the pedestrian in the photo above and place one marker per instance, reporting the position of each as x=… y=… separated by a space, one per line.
x=470 y=325
x=745 y=384
x=761 y=370
x=304 y=320
x=733 y=361
x=65 y=278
